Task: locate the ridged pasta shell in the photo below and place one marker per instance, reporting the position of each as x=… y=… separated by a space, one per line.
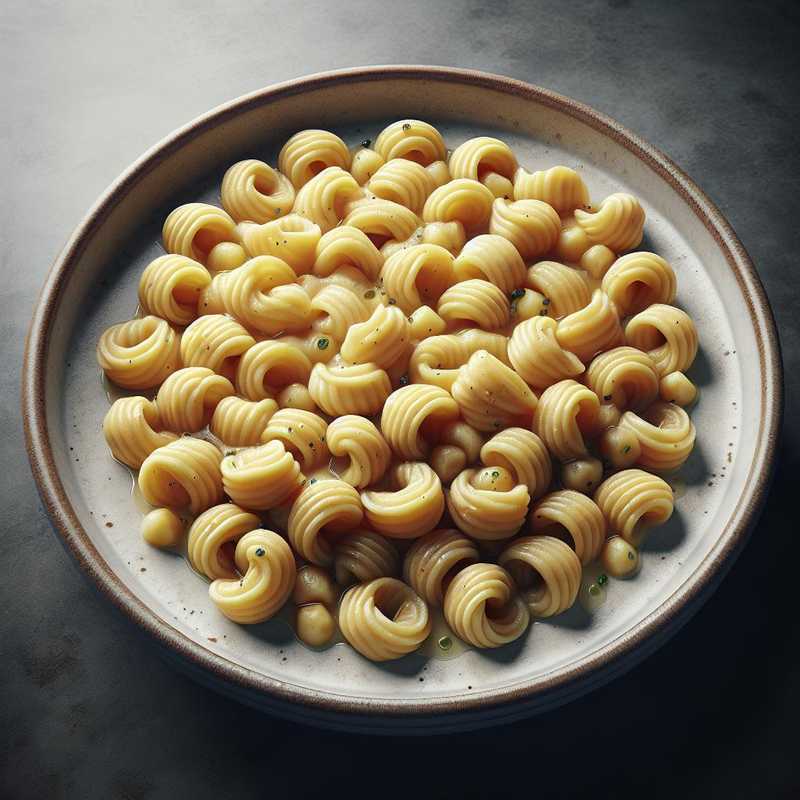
x=309 y=152
x=239 y=423
x=667 y=334
x=252 y=190
x=210 y=531
x=559 y=187
x=666 y=435
x=381 y=339
x=623 y=376
x=530 y=225
x=194 y=229
x=475 y=301
x=132 y=428
x=618 y=222
x=536 y=355
x=404 y=182
x=417 y=276
x=358 y=440
x=463 y=200
x=324 y=198
x=261 y=477
x=564 y=287
x=638 y=280
x=565 y=412
x=303 y=435
x=412 y=139
x=524 y=455
x=349 y=388
x=292 y=239
x=170 y=288
x=270 y=365
x=574 y=518
x=215 y=341
x=383 y=219
x=493 y=258
x=475 y=157
x=335 y=309
x=188 y=397
x=363 y=556
x=347 y=246
x=592 y=329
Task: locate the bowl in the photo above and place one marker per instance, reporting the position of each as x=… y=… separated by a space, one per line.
x=720 y=490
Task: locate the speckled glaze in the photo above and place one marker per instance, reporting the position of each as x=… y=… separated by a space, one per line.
x=88 y=495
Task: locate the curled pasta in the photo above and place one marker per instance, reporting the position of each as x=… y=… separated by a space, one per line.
x=239 y=423
x=597 y=260
x=666 y=435
x=563 y=286
x=195 y=229
x=182 y=474
x=336 y=309
x=492 y=258
x=559 y=187
x=188 y=397
x=434 y=560
x=170 y=288
x=224 y=256
x=384 y=619
x=140 y=353
x=412 y=139
x=292 y=238
x=524 y=455
x=425 y=322
x=475 y=301
x=318 y=348
x=633 y=501
x=530 y=225
x=349 y=388
x=363 y=556
x=382 y=219
x=132 y=429
x=261 y=477
x=211 y=531
x=462 y=200
x=417 y=276
x=215 y=341
x=439 y=171
x=302 y=433
x=409 y=411
x=322 y=509
x=270 y=365
x=547 y=572
x=623 y=376
x=566 y=411
x=381 y=339
x=535 y=353
x=365 y=164
x=450 y=235
x=367 y=454
x=347 y=246
x=413 y=509
x=404 y=182
x=592 y=329
x=491 y=395
x=252 y=190
x=618 y=222
x=324 y=198
x=574 y=518
x=667 y=334
x=481 y=155
x=309 y=152
x=483 y=608
x=268 y=569
x=638 y=280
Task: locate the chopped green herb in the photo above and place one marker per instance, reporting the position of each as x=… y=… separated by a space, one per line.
x=602 y=579
x=311 y=480
x=626 y=449
x=366 y=142
x=323 y=343
x=260 y=551
x=495 y=474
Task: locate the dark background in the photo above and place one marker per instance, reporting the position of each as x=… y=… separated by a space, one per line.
x=87 y=708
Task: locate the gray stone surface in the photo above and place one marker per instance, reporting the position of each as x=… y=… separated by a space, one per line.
x=87 y=709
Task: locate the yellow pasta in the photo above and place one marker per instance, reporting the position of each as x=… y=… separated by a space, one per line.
x=384 y=619
x=162 y=527
x=339 y=388
x=498 y=185
x=524 y=455
x=292 y=238
x=404 y=182
x=526 y=304
x=592 y=329
x=302 y=433
x=335 y=309
x=676 y=388
x=638 y=280
x=363 y=556
x=261 y=477
x=535 y=353
x=439 y=171
x=140 y=353
x=270 y=365
x=318 y=348
x=425 y=322
x=365 y=164
x=412 y=139
x=239 y=423
x=476 y=302
x=530 y=225
x=381 y=339
x=324 y=198
x=623 y=376
x=574 y=518
x=252 y=190
x=462 y=436
x=212 y=530
x=481 y=155
x=267 y=567
x=564 y=287
x=565 y=413
x=296 y=395
x=492 y=258
x=194 y=229
x=215 y=341
x=667 y=334
x=597 y=260
x=347 y=246
x=483 y=608
x=559 y=187
x=382 y=219
x=447 y=461
x=417 y=276
x=132 y=428
x=461 y=200
x=666 y=435
x=309 y=152
x=170 y=288
x=617 y=223
x=188 y=397
x=450 y=235
x=364 y=452
x=226 y=256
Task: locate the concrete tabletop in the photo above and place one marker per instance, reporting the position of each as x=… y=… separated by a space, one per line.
x=87 y=708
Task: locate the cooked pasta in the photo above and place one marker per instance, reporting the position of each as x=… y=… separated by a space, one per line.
x=667 y=334
x=492 y=258
x=592 y=329
x=170 y=288
x=365 y=164
x=638 y=280
x=475 y=302
x=324 y=198
x=425 y=322
x=302 y=433
x=163 y=528
x=412 y=139
x=526 y=304
x=382 y=219
x=309 y=152
x=194 y=229
x=538 y=357
x=461 y=200
x=215 y=341
x=347 y=246
x=363 y=556
x=676 y=388
x=252 y=190
x=293 y=239
x=239 y=423
x=447 y=461
x=335 y=309
x=463 y=436
x=498 y=185
x=450 y=235
x=582 y=474
x=559 y=187
x=133 y=429
x=381 y=339
x=417 y=276
x=666 y=435
x=524 y=455
x=187 y=399
x=597 y=260
x=261 y=477
x=225 y=256
x=564 y=288
x=617 y=223
x=212 y=530
x=363 y=451
x=574 y=518
x=404 y=182
x=439 y=171
x=314 y=585
x=623 y=376
x=530 y=225
x=270 y=365
x=339 y=388
x=619 y=558
x=481 y=155
x=296 y=395
x=565 y=413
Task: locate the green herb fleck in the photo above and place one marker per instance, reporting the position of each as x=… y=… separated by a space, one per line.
x=495 y=474
x=370 y=294
x=626 y=449
x=366 y=142
x=323 y=343
x=546 y=301
x=602 y=580
x=594 y=590
x=311 y=480
x=260 y=551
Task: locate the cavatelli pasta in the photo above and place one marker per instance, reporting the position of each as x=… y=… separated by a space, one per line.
x=623 y=376
x=450 y=235
x=292 y=239
x=535 y=353
x=384 y=619
x=309 y=152
x=140 y=353
x=239 y=423
x=574 y=518
x=564 y=287
x=194 y=229
x=666 y=435
x=617 y=223
x=170 y=288
x=524 y=455
x=530 y=225
x=182 y=474
x=547 y=572
x=302 y=433
x=667 y=334
x=382 y=219
x=361 y=446
x=188 y=397
x=363 y=556
x=339 y=388
x=261 y=477
x=638 y=280
x=481 y=155
x=412 y=139
x=210 y=531
x=462 y=200
x=483 y=608
x=417 y=276
x=347 y=246
x=270 y=365
x=381 y=339
x=559 y=187
x=252 y=190
x=365 y=164
x=132 y=428
x=215 y=341
x=493 y=258
x=566 y=411
x=335 y=309
x=404 y=182
x=268 y=570
x=475 y=302
x=324 y=198
x=591 y=329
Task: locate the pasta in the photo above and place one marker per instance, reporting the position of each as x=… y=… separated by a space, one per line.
x=412 y=139
x=302 y=433
x=417 y=276
x=239 y=423
x=617 y=223
x=447 y=461
x=536 y=354
x=425 y=322
x=365 y=164
x=382 y=219
x=296 y=395
x=339 y=388
x=187 y=399
x=480 y=156
x=665 y=433
x=252 y=190
x=638 y=280
x=225 y=256
x=309 y=152
x=268 y=366
x=667 y=334
x=463 y=436
x=475 y=302
x=292 y=238
x=133 y=429
x=592 y=329
x=363 y=556
x=461 y=200
x=381 y=339
x=335 y=309
x=439 y=171
x=261 y=477
x=170 y=288
x=362 y=448
x=216 y=342
x=450 y=235
x=597 y=260
x=530 y=225
x=347 y=246
x=524 y=455
x=404 y=182
x=195 y=229
x=492 y=258
x=623 y=376
x=559 y=187
x=677 y=388
x=574 y=518
x=212 y=530
x=564 y=288
x=324 y=198
x=162 y=527
x=565 y=413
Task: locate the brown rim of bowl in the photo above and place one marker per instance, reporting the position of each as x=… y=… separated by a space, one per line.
x=694 y=588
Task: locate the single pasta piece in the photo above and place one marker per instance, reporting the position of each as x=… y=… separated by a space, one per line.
x=384 y=619
x=413 y=509
x=412 y=139
x=296 y=395
x=317 y=348
x=667 y=334
x=215 y=341
x=225 y=256
x=170 y=288
x=524 y=455
x=252 y=190
x=592 y=329
x=677 y=388
x=493 y=258
x=450 y=235
x=363 y=556
x=666 y=435
x=620 y=447
x=261 y=477
x=483 y=608
x=313 y=584
x=322 y=509
x=619 y=558
x=498 y=185
x=439 y=171
x=182 y=474
x=563 y=286
x=425 y=322
x=347 y=246
x=488 y=513
x=132 y=428
x=491 y=395
x=530 y=225
x=303 y=435
x=535 y=353
x=638 y=280
x=526 y=304
x=547 y=572
x=140 y=353
x=447 y=461
x=162 y=527
x=187 y=398
x=582 y=475
x=364 y=451
x=270 y=365
x=633 y=501
x=575 y=519
x=411 y=414
x=475 y=302
x=484 y=154
x=462 y=200
x=382 y=220
x=559 y=187
x=417 y=276
x=365 y=164
x=565 y=413
x=314 y=624
x=463 y=436
x=324 y=198
x=292 y=238
x=597 y=260
x=434 y=560
x=404 y=182
x=381 y=339
x=239 y=423
x=309 y=152
x=212 y=530
x=335 y=309
x=194 y=229
x=617 y=223
x=623 y=376
x=572 y=243
x=339 y=388
x=267 y=567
